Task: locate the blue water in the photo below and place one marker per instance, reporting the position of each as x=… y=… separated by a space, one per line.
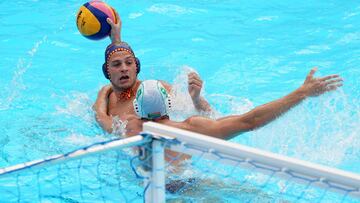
x=247 y=53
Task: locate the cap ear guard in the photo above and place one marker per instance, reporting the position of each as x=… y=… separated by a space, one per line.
x=105 y=71
x=137 y=61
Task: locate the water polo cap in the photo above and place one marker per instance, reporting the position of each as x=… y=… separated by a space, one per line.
x=113 y=48
x=152 y=100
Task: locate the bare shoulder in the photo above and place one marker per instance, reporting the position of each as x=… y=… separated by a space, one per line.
x=102 y=99
x=105 y=90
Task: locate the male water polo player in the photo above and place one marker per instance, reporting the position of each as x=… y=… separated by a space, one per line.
x=121 y=67
x=152 y=103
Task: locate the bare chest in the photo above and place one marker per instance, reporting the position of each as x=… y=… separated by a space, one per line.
x=122 y=109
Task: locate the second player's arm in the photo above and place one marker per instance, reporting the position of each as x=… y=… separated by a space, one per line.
x=230 y=126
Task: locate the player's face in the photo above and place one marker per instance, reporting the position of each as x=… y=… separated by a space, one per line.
x=122 y=70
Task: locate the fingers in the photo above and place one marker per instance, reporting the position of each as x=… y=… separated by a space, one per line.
x=194 y=76
x=111 y=23
x=115 y=34
x=195 y=85
x=331 y=82
x=329 y=77
x=318 y=86
x=311 y=74
x=117 y=19
x=194 y=79
x=333 y=87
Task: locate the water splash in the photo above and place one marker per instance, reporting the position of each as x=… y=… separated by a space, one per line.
x=16 y=86
x=182 y=107
x=77 y=105
x=119 y=126
x=82 y=140
x=172 y=9
x=229 y=105
x=322 y=130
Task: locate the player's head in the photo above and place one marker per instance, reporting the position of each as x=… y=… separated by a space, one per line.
x=121 y=66
x=152 y=100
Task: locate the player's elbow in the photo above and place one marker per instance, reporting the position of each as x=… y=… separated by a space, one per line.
x=253 y=122
x=222 y=130
x=204 y=126
x=247 y=122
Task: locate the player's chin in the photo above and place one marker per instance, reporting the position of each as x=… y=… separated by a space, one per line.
x=126 y=84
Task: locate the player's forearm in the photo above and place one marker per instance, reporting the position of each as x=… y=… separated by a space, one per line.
x=100 y=108
x=266 y=113
x=105 y=121
x=116 y=38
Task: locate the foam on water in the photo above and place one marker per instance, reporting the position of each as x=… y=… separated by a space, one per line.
x=172 y=9
x=83 y=140
x=322 y=130
x=327 y=124
x=182 y=107
x=16 y=86
x=77 y=105
x=119 y=127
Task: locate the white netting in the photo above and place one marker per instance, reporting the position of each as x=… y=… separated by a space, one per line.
x=216 y=171
x=104 y=176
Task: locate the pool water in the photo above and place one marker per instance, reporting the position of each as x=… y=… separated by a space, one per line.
x=247 y=53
